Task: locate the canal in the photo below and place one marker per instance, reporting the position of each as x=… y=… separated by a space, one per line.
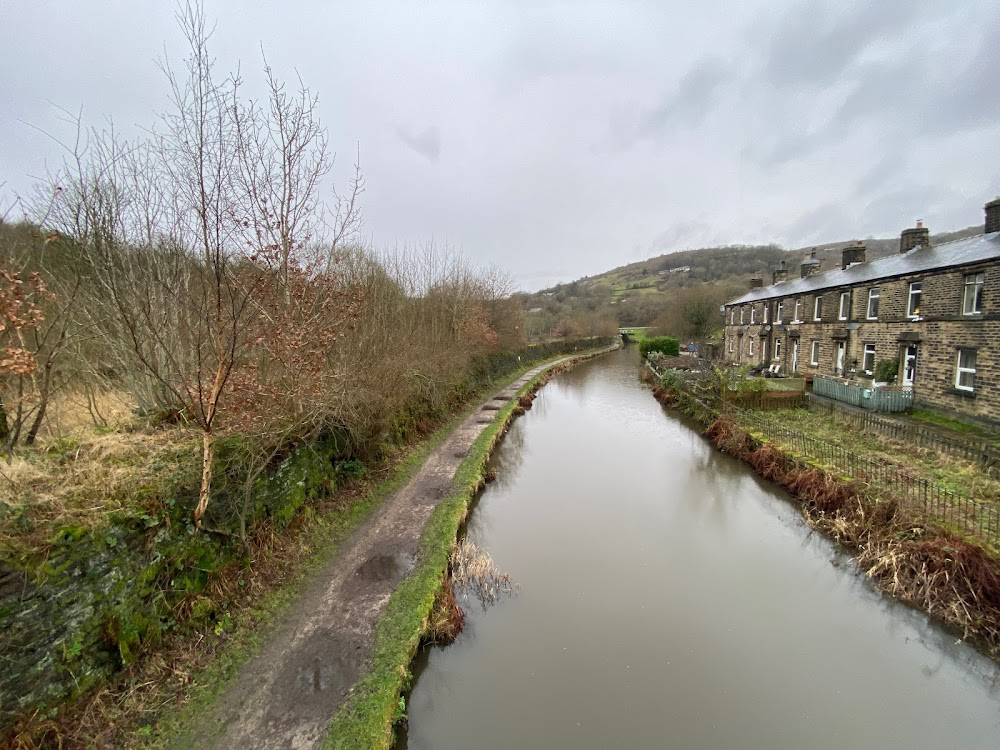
x=669 y=598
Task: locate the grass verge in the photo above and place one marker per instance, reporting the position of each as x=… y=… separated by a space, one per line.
x=375 y=705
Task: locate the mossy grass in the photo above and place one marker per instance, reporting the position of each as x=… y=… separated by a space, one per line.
x=368 y=718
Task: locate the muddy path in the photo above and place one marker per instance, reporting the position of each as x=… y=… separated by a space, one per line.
x=286 y=695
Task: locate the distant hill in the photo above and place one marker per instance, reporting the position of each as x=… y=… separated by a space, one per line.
x=636 y=293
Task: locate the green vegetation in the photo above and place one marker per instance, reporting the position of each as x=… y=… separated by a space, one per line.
x=950 y=423
x=663 y=344
x=375 y=705
x=886 y=370
x=960 y=476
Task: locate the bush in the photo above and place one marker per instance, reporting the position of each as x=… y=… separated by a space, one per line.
x=885 y=370
x=664 y=344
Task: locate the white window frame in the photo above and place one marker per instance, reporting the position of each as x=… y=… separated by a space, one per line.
x=741 y=314
x=874 y=295
x=869 y=349
x=818 y=307
x=779 y=311
x=814 y=353
x=974 y=282
x=967 y=370
x=753 y=314
x=767 y=307
x=731 y=338
x=777 y=348
x=751 y=346
x=913 y=311
x=798 y=311
x=732 y=316
x=844 y=311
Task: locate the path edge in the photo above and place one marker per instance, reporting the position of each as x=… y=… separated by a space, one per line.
x=368 y=717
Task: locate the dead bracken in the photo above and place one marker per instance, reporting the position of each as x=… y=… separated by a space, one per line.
x=473 y=571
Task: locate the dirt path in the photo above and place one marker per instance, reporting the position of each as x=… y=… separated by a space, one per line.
x=286 y=696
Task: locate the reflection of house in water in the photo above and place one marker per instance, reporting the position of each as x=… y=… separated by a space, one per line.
x=933 y=311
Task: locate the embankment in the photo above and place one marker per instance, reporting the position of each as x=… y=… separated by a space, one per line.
x=97 y=618
x=955 y=580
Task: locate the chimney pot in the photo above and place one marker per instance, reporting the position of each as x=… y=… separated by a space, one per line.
x=993 y=216
x=810 y=266
x=780 y=273
x=915 y=237
x=853 y=254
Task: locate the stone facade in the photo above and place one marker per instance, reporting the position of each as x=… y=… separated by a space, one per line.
x=956 y=310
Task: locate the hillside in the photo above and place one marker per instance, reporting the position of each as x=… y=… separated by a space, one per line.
x=637 y=293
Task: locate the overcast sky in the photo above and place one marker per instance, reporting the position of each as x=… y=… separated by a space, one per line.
x=564 y=139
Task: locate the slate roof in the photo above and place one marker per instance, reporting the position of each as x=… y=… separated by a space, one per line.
x=981 y=247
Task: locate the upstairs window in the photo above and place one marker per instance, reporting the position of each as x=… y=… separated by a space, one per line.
x=798 y=311
x=873 y=296
x=818 y=309
x=965 y=370
x=767 y=306
x=741 y=316
x=972 y=299
x=845 y=305
x=913 y=301
x=779 y=312
x=753 y=314
x=868 y=362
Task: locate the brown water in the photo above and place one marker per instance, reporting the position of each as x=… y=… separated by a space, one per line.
x=668 y=598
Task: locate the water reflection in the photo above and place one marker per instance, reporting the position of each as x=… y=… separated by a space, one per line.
x=669 y=598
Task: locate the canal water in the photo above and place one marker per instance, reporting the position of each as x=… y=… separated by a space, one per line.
x=669 y=598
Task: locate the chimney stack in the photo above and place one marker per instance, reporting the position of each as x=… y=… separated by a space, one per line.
x=915 y=237
x=779 y=274
x=853 y=254
x=810 y=266
x=993 y=216
x=756 y=282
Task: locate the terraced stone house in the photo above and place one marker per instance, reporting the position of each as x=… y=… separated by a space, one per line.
x=933 y=310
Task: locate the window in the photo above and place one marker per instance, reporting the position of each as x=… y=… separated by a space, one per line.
x=913 y=301
x=818 y=308
x=965 y=374
x=868 y=362
x=779 y=312
x=777 y=348
x=873 y=295
x=845 y=305
x=972 y=301
x=815 y=354
x=798 y=311
x=751 y=346
x=730 y=346
x=753 y=313
x=732 y=316
x=767 y=307
x=741 y=316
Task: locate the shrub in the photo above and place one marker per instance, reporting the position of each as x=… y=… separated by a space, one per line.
x=885 y=370
x=664 y=344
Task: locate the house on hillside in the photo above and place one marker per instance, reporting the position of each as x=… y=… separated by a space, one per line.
x=933 y=310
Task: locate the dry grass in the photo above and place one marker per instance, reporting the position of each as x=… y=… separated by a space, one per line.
x=73 y=412
x=954 y=580
x=473 y=570
x=446 y=618
x=78 y=481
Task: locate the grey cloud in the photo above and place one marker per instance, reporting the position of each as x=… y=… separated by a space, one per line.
x=816 y=41
x=695 y=95
x=427 y=143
